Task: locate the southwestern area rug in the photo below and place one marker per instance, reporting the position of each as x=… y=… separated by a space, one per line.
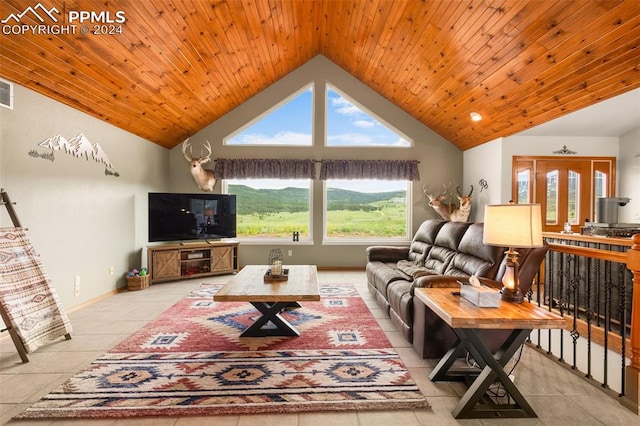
x=191 y=361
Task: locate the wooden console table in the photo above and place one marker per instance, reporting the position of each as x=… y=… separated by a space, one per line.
x=465 y=319
x=170 y=262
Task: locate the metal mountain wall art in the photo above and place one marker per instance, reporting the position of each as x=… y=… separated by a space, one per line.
x=78 y=146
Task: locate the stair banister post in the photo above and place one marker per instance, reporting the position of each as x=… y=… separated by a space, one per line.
x=633 y=370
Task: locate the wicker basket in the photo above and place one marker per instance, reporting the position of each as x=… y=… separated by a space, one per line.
x=137 y=282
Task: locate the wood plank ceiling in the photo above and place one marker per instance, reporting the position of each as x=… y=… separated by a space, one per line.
x=181 y=64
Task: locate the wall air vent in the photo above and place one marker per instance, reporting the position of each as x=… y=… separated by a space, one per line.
x=6 y=94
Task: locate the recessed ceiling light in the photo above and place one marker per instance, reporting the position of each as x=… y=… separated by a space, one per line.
x=475 y=116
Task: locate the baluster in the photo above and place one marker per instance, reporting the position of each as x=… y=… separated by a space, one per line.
x=622 y=314
x=562 y=300
x=549 y=292
x=598 y=292
x=589 y=316
x=574 y=289
x=607 y=321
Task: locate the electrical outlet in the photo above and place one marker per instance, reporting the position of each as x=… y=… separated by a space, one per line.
x=76 y=286
x=290 y=253
x=111 y=271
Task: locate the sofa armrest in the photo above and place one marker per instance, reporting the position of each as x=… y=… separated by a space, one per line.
x=387 y=253
x=436 y=281
x=449 y=281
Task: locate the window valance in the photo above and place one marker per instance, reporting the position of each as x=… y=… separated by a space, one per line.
x=264 y=169
x=370 y=169
x=306 y=169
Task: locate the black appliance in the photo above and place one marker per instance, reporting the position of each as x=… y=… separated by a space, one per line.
x=183 y=217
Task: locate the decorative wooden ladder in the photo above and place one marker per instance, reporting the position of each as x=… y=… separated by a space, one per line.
x=10 y=326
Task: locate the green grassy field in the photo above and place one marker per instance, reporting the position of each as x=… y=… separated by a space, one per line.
x=388 y=221
x=272 y=225
x=277 y=213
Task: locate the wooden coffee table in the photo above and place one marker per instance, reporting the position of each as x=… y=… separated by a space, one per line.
x=270 y=298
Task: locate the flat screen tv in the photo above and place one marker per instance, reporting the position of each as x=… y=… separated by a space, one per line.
x=184 y=217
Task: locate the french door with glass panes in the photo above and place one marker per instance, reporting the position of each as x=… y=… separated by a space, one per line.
x=565 y=187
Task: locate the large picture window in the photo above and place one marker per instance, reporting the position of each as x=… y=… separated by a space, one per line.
x=271 y=208
x=288 y=123
x=349 y=124
x=366 y=210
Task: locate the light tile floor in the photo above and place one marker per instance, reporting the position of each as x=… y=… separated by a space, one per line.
x=558 y=396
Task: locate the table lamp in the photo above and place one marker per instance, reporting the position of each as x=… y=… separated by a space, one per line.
x=208 y=213
x=512 y=226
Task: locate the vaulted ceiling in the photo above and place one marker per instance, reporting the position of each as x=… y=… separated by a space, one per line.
x=179 y=65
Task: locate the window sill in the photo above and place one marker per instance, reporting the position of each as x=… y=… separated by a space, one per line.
x=363 y=242
x=274 y=241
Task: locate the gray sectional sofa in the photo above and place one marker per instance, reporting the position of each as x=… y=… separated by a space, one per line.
x=440 y=253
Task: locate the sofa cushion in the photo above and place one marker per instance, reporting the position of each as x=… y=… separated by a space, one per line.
x=380 y=274
x=445 y=246
x=401 y=305
x=471 y=243
x=412 y=269
x=465 y=265
x=474 y=257
x=450 y=234
x=439 y=259
x=424 y=239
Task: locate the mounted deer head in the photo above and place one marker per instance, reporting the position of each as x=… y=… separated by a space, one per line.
x=461 y=214
x=204 y=178
x=438 y=201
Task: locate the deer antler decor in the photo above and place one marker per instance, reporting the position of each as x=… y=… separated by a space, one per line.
x=461 y=214
x=438 y=202
x=449 y=211
x=204 y=178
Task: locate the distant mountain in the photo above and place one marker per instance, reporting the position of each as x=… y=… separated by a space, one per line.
x=342 y=199
x=262 y=201
x=334 y=194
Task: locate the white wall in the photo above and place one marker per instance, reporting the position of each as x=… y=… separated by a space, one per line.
x=440 y=161
x=80 y=221
x=484 y=162
x=629 y=176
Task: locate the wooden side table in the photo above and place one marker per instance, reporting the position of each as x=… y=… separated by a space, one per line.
x=465 y=319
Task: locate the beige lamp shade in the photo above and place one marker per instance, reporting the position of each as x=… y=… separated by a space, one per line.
x=513 y=225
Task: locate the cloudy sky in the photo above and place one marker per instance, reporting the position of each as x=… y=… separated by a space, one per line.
x=291 y=124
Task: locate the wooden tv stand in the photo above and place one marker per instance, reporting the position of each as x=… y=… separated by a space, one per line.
x=171 y=262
